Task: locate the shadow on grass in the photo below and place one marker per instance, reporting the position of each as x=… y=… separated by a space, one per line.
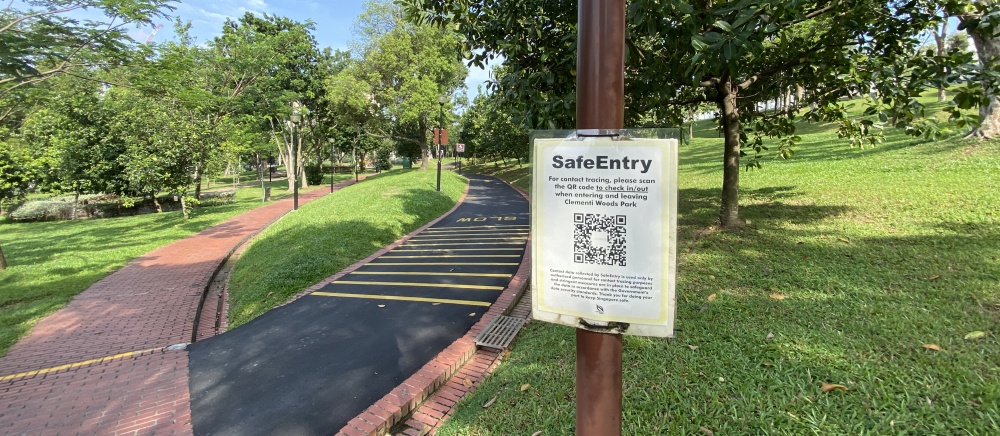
x=803 y=297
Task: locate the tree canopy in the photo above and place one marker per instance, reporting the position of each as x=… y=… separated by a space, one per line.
x=734 y=54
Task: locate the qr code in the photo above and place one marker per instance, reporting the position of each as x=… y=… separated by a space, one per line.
x=599 y=239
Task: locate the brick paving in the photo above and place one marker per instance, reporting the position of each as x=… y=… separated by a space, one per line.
x=102 y=365
x=147 y=305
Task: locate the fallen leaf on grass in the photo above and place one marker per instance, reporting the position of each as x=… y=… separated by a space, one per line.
x=844 y=240
x=769 y=336
x=537 y=433
x=975 y=335
x=525 y=387
x=693 y=347
x=934 y=277
x=932 y=347
x=705 y=431
x=778 y=296
x=712 y=297
x=466 y=382
x=830 y=387
x=490 y=402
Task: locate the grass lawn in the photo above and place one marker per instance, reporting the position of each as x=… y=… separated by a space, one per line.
x=328 y=234
x=50 y=262
x=854 y=263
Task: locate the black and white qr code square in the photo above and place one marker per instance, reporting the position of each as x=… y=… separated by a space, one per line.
x=599 y=239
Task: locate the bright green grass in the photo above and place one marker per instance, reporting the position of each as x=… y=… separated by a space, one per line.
x=330 y=233
x=50 y=262
x=878 y=251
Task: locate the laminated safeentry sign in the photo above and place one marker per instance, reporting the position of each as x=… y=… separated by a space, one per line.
x=604 y=231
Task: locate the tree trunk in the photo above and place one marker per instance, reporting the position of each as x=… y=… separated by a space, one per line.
x=425 y=151
x=729 y=213
x=940 y=37
x=290 y=163
x=988 y=49
x=300 y=166
x=3 y=260
x=197 y=180
x=184 y=211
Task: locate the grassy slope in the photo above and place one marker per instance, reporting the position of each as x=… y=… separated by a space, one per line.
x=50 y=262
x=328 y=234
x=877 y=251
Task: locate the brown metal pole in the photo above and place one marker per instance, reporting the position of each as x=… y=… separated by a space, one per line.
x=600 y=90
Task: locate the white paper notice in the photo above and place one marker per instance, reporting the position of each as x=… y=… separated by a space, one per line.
x=604 y=232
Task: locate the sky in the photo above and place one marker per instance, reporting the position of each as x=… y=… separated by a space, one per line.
x=333 y=21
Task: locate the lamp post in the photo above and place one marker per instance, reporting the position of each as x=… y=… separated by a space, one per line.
x=333 y=170
x=295 y=118
x=439 y=138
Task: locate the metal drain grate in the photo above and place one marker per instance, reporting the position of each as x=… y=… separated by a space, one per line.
x=499 y=332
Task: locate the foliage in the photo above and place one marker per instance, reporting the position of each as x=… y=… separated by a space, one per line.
x=401 y=71
x=735 y=54
x=42 y=210
x=490 y=129
x=314 y=174
x=16 y=173
x=44 y=40
x=383 y=158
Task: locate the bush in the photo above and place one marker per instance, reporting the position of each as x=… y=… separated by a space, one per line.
x=216 y=197
x=43 y=210
x=383 y=159
x=313 y=174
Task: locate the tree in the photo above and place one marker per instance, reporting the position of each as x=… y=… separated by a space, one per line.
x=981 y=19
x=270 y=62
x=46 y=40
x=407 y=67
x=733 y=54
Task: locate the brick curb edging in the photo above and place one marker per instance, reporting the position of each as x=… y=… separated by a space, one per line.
x=220 y=312
x=426 y=397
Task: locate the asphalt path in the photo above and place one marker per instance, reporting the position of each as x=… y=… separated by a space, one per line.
x=309 y=367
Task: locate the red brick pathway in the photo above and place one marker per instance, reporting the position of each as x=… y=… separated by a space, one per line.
x=104 y=364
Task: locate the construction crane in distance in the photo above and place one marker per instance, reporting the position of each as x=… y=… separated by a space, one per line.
x=153 y=33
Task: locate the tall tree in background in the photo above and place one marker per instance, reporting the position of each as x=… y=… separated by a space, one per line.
x=407 y=68
x=981 y=19
x=270 y=62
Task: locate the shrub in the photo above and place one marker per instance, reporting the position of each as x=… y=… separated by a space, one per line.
x=313 y=174
x=383 y=159
x=43 y=210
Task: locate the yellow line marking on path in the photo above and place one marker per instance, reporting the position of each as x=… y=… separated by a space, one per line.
x=417 y=273
x=431 y=256
x=75 y=364
x=457 y=249
x=442 y=263
x=420 y=285
x=394 y=298
x=464 y=243
x=470 y=238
